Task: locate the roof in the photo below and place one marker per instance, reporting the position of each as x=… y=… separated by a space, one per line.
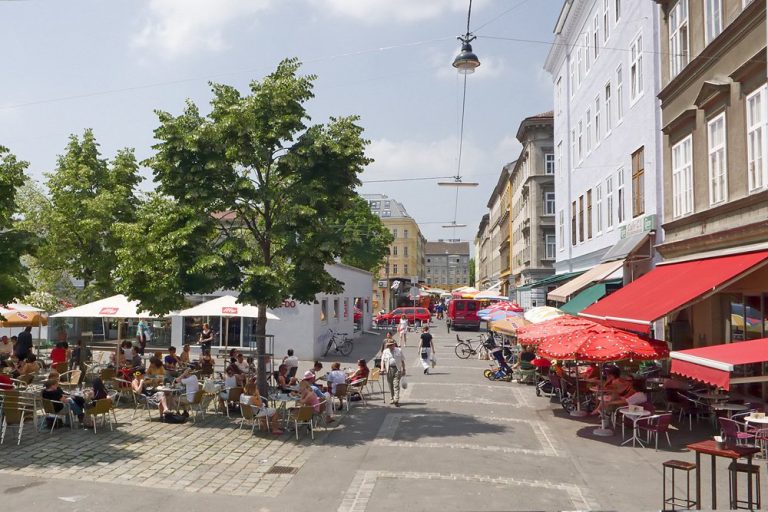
x=531 y=121
x=396 y=208
x=446 y=248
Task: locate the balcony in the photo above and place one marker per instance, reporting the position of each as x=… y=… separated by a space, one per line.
x=526 y=224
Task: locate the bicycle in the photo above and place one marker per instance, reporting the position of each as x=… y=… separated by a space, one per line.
x=466 y=348
x=344 y=347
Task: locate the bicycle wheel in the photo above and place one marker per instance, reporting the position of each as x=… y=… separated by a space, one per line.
x=346 y=348
x=328 y=348
x=463 y=350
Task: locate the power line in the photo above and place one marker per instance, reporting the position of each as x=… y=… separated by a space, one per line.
x=503 y=13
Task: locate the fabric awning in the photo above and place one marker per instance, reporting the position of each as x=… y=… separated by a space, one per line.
x=595 y=274
x=117 y=306
x=589 y=296
x=668 y=288
x=551 y=280
x=626 y=246
x=714 y=364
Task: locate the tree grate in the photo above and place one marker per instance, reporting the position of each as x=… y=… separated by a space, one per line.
x=281 y=470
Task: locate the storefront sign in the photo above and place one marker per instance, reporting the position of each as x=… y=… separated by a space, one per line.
x=289 y=303
x=108 y=311
x=638 y=226
x=229 y=310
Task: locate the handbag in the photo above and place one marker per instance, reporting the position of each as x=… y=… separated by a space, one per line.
x=434 y=360
x=404 y=383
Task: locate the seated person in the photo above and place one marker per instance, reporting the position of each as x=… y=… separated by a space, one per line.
x=29 y=366
x=360 y=373
x=496 y=351
x=5 y=379
x=61 y=400
x=6 y=348
x=191 y=387
x=241 y=363
x=207 y=363
x=316 y=368
x=250 y=397
x=155 y=372
x=240 y=377
x=283 y=381
x=139 y=386
x=307 y=396
x=136 y=363
x=171 y=361
x=322 y=395
x=230 y=381
x=59 y=353
x=526 y=358
x=618 y=389
x=54 y=375
x=334 y=377
x=184 y=358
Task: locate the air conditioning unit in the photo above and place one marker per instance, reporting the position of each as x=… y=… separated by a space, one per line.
x=382 y=283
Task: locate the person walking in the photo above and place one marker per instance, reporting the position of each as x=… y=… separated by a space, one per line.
x=426 y=349
x=393 y=365
x=402 y=330
x=23 y=346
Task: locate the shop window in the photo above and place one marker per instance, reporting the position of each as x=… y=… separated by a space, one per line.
x=324 y=310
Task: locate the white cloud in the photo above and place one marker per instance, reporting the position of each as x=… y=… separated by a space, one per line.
x=177 y=27
x=382 y=11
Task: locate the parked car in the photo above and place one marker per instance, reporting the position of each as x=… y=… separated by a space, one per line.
x=415 y=316
x=462 y=314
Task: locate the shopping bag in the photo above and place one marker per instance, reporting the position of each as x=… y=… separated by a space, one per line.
x=434 y=360
x=404 y=383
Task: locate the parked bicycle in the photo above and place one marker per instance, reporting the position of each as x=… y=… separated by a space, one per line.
x=339 y=342
x=466 y=348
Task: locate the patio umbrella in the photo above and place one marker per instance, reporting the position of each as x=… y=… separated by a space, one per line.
x=601 y=344
x=495 y=316
x=510 y=325
x=539 y=332
x=542 y=314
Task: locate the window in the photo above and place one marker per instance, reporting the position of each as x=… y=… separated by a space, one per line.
x=608 y=117
x=558 y=157
x=636 y=69
x=394 y=232
x=678 y=37
x=596 y=37
x=713 y=19
x=573 y=147
x=549 y=163
x=386 y=213
x=571 y=80
x=606 y=20
x=573 y=223
x=394 y=250
x=375 y=205
x=589 y=130
x=682 y=178
x=609 y=203
x=405 y=233
x=549 y=203
x=336 y=309
x=638 y=182
x=598 y=208
x=589 y=214
x=587 y=56
x=619 y=96
x=617 y=10
x=405 y=251
x=394 y=268
x=580 y=145
x=621 y=213
x=386 y=205
x=549 y=246
x=559 y=94
x=718 y=168
x=579 y=66
x=405 y=269
x=581 y=218
x=561 y=228
x=597 y=120
x=756 y=138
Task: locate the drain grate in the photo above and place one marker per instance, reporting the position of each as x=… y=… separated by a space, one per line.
x=281 y=470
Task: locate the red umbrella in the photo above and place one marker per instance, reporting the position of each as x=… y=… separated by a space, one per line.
x=505 y=306
x=560 y=326
x=598 y=343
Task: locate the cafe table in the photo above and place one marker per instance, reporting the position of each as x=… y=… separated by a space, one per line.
x=634 y=415
x=710 y=447
x=729 y=408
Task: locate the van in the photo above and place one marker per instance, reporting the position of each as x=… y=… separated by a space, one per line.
x=462 y=314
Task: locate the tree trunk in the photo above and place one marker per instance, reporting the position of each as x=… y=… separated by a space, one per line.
x=261 y=349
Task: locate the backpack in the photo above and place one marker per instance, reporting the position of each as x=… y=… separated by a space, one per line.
x=170 y=417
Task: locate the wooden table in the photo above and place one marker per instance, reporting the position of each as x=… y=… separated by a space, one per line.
x=709 y=447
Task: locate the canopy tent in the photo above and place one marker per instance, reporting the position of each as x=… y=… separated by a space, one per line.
x=22 y=315
x=490 y=295
x=671 y=287
x=589 y=296
x=595 y=274
x=713 y=365
x=542 y=314
x=117 y=306
x=509 y=325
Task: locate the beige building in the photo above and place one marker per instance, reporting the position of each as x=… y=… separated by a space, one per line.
x=532 y=205
x=498 y=218
x=482 y=251
x=406 y=260
x=447 y=264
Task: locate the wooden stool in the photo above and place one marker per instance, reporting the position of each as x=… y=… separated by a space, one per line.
x=675 y=501
x=752 y=492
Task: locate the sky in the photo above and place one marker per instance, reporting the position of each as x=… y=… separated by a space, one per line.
x=108 y=65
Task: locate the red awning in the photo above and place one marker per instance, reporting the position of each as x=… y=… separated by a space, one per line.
x=668 y=288
x=714 y=364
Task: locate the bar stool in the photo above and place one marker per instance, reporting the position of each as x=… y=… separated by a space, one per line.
x=678 y=501
x=749 y=470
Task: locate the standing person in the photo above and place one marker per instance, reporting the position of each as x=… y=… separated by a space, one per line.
x=23 y=346
x=142 y=335
x=206 y=338
x=402 y=330
x=393 y=365
x=427 y=349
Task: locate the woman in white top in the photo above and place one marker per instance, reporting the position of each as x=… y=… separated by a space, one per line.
x=250 y=398
x=402 y=330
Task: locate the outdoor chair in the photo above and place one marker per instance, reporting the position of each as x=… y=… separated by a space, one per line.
x=107 y=375
x=302 y=416
x=197 y=405
x=656 y=424
x=102 y=408
x=19 y=384
x=120 y=387
x=64 y=415
x=730 y=429
x=341 y=394
x=233 y=396
x=70 y=380
x=60 y=367
x=375 y=378
x=146 y=402
x=15 y=408
x=254 y=415
x=319 y=415
x=27 y=379
x=739 y=418
x=691 y=407
x=356 y=388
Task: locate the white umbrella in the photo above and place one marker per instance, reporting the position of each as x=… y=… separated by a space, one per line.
x=542 y=314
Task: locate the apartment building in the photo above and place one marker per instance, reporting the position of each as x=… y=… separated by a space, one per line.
x=497 y=214
x=482 y=251
x=406 y=260
x=532 y=207
x=605 y=71
x=447 y=265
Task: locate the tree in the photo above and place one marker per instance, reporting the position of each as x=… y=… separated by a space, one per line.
x=88 y=197
x=366 y=240
x=263 y=191
x=471 y=271
x=14 y=242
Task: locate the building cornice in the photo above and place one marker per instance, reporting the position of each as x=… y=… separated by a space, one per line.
x=733 y=206
x=570 y=17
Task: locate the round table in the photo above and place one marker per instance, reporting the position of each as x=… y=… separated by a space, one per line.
x=730 y=408
x=715 y=397
x=633 y=415
x=763 y=422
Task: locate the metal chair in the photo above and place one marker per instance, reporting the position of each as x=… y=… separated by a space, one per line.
x=730 y=429
x=656 y=424
x=373 y=378
x=49 y=407
x=356 y=388
x=302 y=416
x=341 y=394
x=104 y=408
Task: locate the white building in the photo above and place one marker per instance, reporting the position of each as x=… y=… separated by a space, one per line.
x=302 y=327
x=605 y=70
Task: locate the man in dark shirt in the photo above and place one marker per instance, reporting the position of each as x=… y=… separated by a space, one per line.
x=24 y=344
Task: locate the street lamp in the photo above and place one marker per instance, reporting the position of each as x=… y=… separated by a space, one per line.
x=457 y=182
x=466 y=61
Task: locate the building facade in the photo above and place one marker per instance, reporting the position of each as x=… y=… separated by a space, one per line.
x=447 y=264
x=482 y=248
x=497 y=213
x=405 y=263
x=605 y=71
x=532 y=207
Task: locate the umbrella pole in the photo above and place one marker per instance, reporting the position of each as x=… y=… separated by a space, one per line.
x=577 y=412
x=603 y=430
